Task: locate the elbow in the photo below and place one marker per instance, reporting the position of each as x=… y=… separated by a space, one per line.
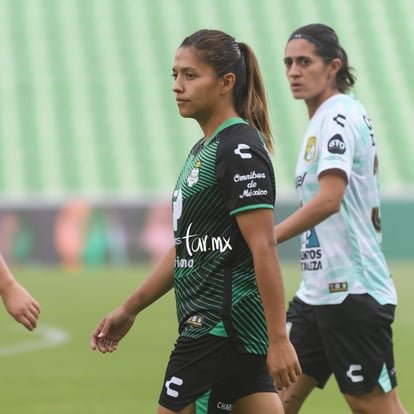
x=332 y=206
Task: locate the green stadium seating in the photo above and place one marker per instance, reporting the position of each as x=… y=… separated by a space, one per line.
x=86 y=106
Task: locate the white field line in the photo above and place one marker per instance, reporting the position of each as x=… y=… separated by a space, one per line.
x=46 y=337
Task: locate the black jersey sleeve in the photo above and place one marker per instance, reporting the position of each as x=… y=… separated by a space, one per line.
x=244 y=170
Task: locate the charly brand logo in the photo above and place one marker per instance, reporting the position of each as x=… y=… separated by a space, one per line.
x=224 y=406
x=354 y=373
x=241 y=151
x=173 y=381
x=195 y=243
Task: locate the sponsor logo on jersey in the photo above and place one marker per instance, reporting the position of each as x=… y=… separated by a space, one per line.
x=253 y=193
x=183 y=263
x=311 y=253
x=336 y=145
x=253 y=175
x=252 y=188
x=177 y=204
x=310 y=150
x=299 y=180
x=195 y=320
x=338 y=287
x=241 y=151
x=195 y=243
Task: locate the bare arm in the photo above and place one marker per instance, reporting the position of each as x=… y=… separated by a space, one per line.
x=327 y=201
x=256 y=228
x=113 y=327
x=18 y=302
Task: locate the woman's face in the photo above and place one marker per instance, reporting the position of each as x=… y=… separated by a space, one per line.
x=196 y=87
x=309 y=76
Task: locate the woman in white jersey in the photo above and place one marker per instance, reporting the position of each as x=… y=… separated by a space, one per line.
x=340 y=318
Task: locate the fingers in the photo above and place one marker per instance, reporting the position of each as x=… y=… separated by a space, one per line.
x=96 y=334
x=27 y=322
x=104 y=345
x=32 y=316
x=108 y=346
x=101 y=339
x=35 y=308
x=28 y=317
x=287 y=377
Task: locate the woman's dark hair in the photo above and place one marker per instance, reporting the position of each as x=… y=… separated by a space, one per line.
x=220 y=51
x=327 y=46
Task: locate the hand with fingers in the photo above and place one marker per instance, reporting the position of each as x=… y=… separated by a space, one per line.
x=110 y=330
x=283 y=363
x=20 y=304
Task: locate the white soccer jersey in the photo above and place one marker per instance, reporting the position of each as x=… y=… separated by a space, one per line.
x=342 y=255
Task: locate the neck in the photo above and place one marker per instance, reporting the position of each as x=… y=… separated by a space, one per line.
x=314 y=103
x=210 y=125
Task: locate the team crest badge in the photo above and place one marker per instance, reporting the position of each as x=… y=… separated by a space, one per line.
x=193 y=177
x=310 y=150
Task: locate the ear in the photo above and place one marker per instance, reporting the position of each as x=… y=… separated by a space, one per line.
x=336 y=65
x=227 y=82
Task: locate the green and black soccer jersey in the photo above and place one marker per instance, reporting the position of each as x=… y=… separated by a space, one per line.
x=214 y=280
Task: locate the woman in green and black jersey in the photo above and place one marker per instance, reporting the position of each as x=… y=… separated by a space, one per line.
x=232 y=351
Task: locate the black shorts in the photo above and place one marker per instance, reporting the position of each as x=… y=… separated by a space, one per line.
x=212 y=373
x=353 y=340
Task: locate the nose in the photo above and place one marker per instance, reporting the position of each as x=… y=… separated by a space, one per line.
x=177 y=87
x=293 y=71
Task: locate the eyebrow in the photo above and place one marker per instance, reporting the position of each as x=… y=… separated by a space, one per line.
x=297 y=57
x=185 y=69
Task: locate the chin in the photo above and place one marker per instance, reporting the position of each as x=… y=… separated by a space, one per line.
x=298 y=95
x=184 y=114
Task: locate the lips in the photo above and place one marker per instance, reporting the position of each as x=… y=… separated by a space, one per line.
x=295 y=86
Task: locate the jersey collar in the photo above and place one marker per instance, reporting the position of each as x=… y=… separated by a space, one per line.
x=227 y=123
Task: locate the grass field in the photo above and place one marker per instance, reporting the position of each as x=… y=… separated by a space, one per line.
x=53 y=370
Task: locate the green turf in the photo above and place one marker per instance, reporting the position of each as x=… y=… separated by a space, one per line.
x=72 y=379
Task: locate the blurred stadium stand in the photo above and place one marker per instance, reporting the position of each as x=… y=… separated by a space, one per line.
x=87 y=111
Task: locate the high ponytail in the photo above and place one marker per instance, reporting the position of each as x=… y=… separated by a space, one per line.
x=252 y=105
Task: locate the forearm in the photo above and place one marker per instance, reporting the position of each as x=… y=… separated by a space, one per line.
x=6 y=278
x=270 y=285
x=332 y=185
x=309 y=215
x=301 y=220
x=158 y=283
